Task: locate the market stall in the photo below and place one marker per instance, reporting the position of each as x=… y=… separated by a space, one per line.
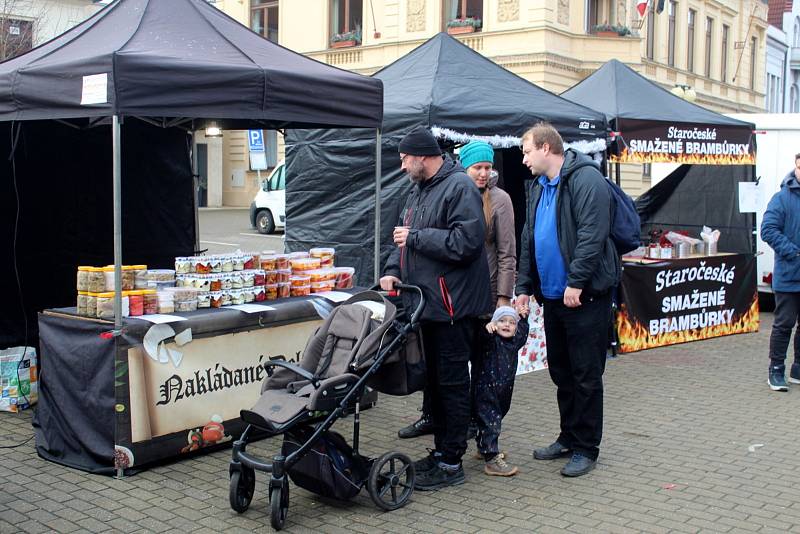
x=678 y=287
x=175 y=66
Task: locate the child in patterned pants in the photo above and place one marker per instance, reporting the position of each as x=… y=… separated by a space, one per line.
x=506 y=335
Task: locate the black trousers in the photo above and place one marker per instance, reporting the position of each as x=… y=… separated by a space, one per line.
x=787 y=311
x=447 y=350
x=576 y=357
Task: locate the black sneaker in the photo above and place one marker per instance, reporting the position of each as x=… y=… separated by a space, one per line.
x=551 y=452
x=794 y=373
x=776 y=379
x=420 y=427
x=578 y=465
x=439 y=477
x=426 y=464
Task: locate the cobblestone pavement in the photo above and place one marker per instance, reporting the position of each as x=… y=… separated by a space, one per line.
x=694 y=441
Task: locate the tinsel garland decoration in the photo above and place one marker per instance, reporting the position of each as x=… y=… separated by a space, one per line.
x=509 y=141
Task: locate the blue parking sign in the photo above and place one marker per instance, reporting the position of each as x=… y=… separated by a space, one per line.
x=255 y=140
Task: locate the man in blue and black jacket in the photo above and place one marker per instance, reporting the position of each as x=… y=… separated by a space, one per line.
x=780 y=229
x=568 y=262
x=440 y=248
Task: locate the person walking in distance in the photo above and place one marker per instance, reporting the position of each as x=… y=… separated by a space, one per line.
x=440 y=248
x=780 y=229
x=570 y=264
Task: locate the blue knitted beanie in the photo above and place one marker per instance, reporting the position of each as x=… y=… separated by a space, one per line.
x=476 y=152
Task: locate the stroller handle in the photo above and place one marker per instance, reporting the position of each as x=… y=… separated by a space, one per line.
x=420 y=306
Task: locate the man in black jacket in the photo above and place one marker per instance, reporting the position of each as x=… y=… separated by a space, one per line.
x=440 y=240
x=569 y=263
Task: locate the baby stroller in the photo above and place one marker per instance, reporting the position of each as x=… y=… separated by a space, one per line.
x=364 y=342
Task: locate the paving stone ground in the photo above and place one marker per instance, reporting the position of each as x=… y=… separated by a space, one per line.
x=694 y=441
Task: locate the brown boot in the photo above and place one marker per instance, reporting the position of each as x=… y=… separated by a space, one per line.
x=498 y=467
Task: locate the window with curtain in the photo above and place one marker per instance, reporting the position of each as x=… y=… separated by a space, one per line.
x=753 y=51
x=463 y=9
x=671 y=11
x=690 y=40
x=264 y=18
x=651 y=30
x=709 y=34
x=723 y=68
x=346 y=20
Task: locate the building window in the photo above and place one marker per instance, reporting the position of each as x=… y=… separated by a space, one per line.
x=651 y=30
x=346 y=21
x=690 y=41
x=16 y=37
x=264 y=18
x=753 y=47
x=796 y=39
x=456 y=11
x=723 y=68
x=794 y=99
x=592 y=10
x=672 y=9
x=709 y=31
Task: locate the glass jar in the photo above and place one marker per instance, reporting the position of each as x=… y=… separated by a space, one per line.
x=226 y=297
x=248 y=295
x=248 y=278
x=227 y=263
x=259 y=293
x=202 y=265
x=183 y=265
x=259 y=277
x=215 y=262
x=203 y=300
x=215 y=299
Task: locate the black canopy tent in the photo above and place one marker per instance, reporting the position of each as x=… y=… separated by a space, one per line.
x=652 y=125
x=170 y=64
x=443 y=85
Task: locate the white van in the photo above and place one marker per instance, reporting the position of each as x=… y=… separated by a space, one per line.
x=268 y=209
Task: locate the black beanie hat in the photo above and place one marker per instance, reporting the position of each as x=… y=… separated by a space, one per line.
x=420 y=142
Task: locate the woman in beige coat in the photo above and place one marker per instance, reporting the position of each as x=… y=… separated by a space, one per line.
x=477 y=158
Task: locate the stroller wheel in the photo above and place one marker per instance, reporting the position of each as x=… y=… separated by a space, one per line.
x=391 y=481
x=279 y=501
x=243 y=484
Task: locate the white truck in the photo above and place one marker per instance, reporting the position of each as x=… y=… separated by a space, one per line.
x=777 y=142
x=268 y=209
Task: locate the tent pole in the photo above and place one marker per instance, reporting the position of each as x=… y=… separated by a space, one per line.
x=195 y=192
x=377 y=271
x=117 y=172
x=619 y=173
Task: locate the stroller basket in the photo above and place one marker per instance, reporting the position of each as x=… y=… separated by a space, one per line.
x=364 y=342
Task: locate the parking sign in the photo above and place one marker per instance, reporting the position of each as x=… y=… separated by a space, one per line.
x=258 y=157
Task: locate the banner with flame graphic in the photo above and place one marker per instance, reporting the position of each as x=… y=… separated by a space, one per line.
x=663 y=142
x=686 y=300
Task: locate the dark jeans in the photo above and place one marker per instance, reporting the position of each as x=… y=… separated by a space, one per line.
x=576 y=357
x=447 y=350
x=787 y=309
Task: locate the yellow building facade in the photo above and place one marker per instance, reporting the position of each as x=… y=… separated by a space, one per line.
x=716 y=47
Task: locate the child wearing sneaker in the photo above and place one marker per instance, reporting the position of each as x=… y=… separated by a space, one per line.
x=507 y=334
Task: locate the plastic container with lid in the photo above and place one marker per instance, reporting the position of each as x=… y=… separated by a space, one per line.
x=183 y=265
x=300 y=280
x=97 y=280
x=83 y=296
x=91 y=305
x=321 y=275
x=188 y=305
x=105 y=305
x=270 y=277
x=304 y=264
x=135 y=302
x=128 y=278
x=300 y=291
x=215 y=299
x=150 y=301
x=326 y=255
x=298 y=254
x=181 y=293
x=271 y=291
x=139 y=276
x=82 y=281
x=344 y=277
x=282 y=276
x=259 y=293
x=268 y=262
x=284 y=290
x=161 y=275
x=166 y=301
x=281 y=261
x=319 y=287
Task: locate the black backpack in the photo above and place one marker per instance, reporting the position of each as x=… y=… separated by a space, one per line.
x=625 y=225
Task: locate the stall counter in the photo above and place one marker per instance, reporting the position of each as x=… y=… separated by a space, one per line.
x=158 y=391
x=663 y=302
